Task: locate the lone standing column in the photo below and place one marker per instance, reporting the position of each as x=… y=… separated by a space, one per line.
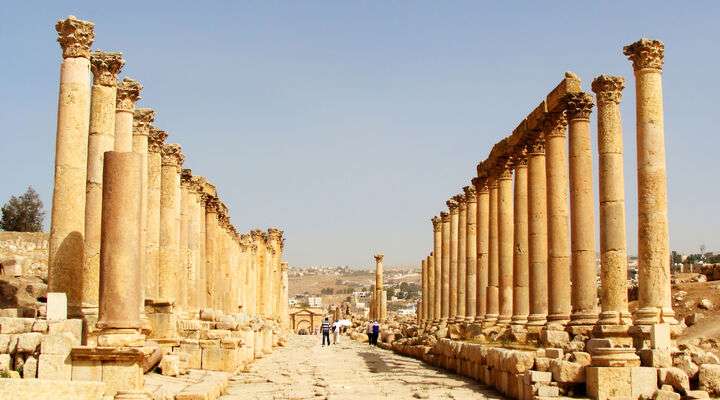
x=379 y=285
x=156 y=140
x=483 y=226
x=105 y=67
x=437 y=266
x=505 y=244
x=172 y=159
x=521 y=269
x=119 y=314
x=471 y=254
x=453 y=249
x=556 y=168
x=537 y=233
x=613 y=245
x=461 y=258
x=445 y=250
x=67 y=225
x=655 y=302
x=582 y=212
x=492 y=291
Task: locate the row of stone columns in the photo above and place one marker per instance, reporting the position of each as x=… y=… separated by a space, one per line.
x=179 y=250
x=518 y=246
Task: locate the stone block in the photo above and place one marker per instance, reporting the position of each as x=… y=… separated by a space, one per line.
x=60 y=343
x=537 y=377
x=28 y=342
x=55 y=367
x=697 y=394
x=548 y=391
x=40 y=326
x=674 y=377
x=604 y=383
x=30 y=368
x=656 y=358
x=5 y=342
x=56 y=306
x=164 y=325
x=554 y=338
x=542 y=364
x=665 y=395
x=660 y=337
x=597 y=343
x=122 y=375
x=170 y=365
x=9 y=312
x=74 y=326
x=4 y=362
x=12 y=325
x=194 y=352
x=567 y=372
x=520 y=361
x=229 y=359
x=554 y=353
x=37 y=389
x=87 y=370
x=709 y=379
x=581 y=358
x=644 y=382
x=212 y=358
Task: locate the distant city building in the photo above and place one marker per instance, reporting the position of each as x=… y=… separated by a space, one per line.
x=315 y=301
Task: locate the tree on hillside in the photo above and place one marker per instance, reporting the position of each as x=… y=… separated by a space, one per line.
x=24 y=213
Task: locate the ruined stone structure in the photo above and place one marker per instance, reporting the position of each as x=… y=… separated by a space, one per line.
x=142 y=249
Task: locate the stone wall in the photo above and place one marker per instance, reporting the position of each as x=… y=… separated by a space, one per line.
x=24 y=253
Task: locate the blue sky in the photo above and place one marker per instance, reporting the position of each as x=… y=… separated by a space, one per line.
x=348 y=124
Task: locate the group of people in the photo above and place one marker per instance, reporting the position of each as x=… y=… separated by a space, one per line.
x=326 y=328
x=373 y=332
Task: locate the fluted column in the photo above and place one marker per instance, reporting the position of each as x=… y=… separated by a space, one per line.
x=582 y=211
x=505 y=244
x=492 y=303
x=437 y=267
x=556 y=167
x=172 y=159
x=483 y=232
x=521 y=268
x=537 y=232
x=453 y=267
x=470 y=254
x=613 y=246
x=105 y=67
x=67 y=224
x=156 y=140
x=654 y=299
x=445 y=251
x=461 y=258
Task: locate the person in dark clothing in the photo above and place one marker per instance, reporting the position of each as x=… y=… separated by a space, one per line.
x=325 y=329
x=376 y=332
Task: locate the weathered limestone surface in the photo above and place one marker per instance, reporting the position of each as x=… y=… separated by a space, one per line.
x=461 y=257
x=156 y=141
x=492 y=303
x=521 y=271
x=505 y=244
x=172 y=159
x=483 y=223
x=537 y=233
x=453 y=256
x=437 y=264
x=471 y=254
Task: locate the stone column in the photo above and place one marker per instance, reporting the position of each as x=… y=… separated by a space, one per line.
x=505 y=244
x=492 y=303
x=120 y=269
x=453 y=206
x=470 y=254
x=422 y=316
x=445 y=251
x=195 y=241
x=128 y=94
x=105 y=67
x=613 y=245
x=379 y=286
x=654 y=300
x=284 y=312
x=156 y=140
x=582 y=212
x=537 y=232
x=521 y=268
x=172 y=159
x=220 y=273
x=461 y=258
x=483 y=229
x=211 y=234
x=184 y=246
x=437 y=267
x=430 y=304
x=556 y=169
x=142 y=119
x=67 y=225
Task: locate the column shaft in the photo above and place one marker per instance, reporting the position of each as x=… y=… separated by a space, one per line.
x=492 y=303
x=471 y=254
x=422 y=314
x=537 y=233
x=483 y=237
x=437 y=267
x=453 y=267
x=445 y=251
x=505 y=245
x=521 y=268
x=156 y=140
x=462 y=258
x=169 y=222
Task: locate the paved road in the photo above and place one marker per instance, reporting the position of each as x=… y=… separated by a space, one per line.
x=350 y=370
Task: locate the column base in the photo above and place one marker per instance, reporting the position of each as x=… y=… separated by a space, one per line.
x=558 y=320
x=504 y=320
x=120 y=368
x=479 y=319
x=618 y=334
x=614 y=318
x=490 y=320
x=537 y=319
x=520 y=320
x=120 y=338
x=615 y=357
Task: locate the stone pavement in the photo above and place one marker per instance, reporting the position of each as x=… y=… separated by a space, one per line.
x=350 y=370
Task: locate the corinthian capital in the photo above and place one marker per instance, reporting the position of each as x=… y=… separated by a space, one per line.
x=646 y=54
x=379 y=257
x=537 y=146
x=128 y=92
x=555 y=125
x=470 y=194
x=142 y=118
x=275 y=234
x=186 y=177
x=578 y=105
x=437 y=223
x=156 y=139
x=452 y=204
x=444 y=216
x=75 y=36
x=608 y=89
x=172 y=155
x=211 y=204
x=105 y=66
x=460 y=199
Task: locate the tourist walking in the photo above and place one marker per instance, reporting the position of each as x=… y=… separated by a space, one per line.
x=376 y=332
x=336 y=331
x=325 y=329
x=369 y=332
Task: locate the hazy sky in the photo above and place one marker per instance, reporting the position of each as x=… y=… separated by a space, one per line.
x=348 y=124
